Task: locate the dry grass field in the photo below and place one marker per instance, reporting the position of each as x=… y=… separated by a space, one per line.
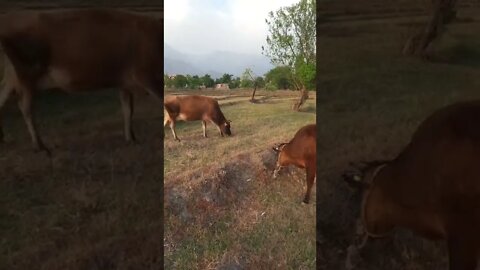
x=370 y=100
x=223 y=210
x=97 y=203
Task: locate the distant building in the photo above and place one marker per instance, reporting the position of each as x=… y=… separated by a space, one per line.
x=222 y=86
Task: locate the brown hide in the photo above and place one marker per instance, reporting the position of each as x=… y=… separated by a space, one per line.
x=193 y=108
x=301 y=152
x=433 y=186
x=81 y=50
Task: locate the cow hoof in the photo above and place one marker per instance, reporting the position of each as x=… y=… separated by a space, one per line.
x=304 y=202
x=177 y=139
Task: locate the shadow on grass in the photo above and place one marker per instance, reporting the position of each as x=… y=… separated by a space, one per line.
x=462 y=55
x=341 y=31
x=308 y=109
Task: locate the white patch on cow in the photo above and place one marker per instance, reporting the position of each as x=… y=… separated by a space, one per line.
x=55 y=78
x=182 y=116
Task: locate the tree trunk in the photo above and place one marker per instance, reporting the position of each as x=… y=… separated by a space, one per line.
x=252 y=98
x=443 y=13
x=303 y=97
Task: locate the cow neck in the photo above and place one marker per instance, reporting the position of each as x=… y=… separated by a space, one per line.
x=220 y=120
x=365 y=199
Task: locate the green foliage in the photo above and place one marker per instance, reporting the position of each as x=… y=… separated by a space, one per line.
x=306 y=74
x=235 y=83
x=194 y=81
x=279 y=78
x=250 y=80
x=247 y=79
x=292 y=39
x=208 y=81
x=226 y=78
x=246 y=83
x=180 y=81
x=270 y=86
x=260 y=82
x=167 y=81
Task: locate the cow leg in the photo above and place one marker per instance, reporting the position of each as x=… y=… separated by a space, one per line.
x=126 y=99
x=204 y=125
x=463 y=254
x=25 y=106
x=172 y=127
x=310 y=179
x=168 y=120
x=4 y=95
x=219 y=129
x=165 y=121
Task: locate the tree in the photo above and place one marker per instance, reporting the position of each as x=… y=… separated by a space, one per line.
x=279 y=77
x=306 y=73
x=260 y=82
x=291 y=42
x=235 y=83
x=189 y=80
x=180 y=81
x=246 y=82
x=168 y=82
x=208 y=81
x=249 y=79
x=443 y=12
x=226 y=78
x=194 y=81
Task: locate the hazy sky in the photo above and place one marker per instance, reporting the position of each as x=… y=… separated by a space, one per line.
x=202 y=26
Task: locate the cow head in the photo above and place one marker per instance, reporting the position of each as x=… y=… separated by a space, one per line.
x=362 y=178
x=278 y=149
x=225 y=127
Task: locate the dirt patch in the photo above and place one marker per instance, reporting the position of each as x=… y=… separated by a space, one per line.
x=215 y=189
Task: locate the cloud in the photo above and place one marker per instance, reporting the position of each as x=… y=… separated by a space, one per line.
x=178 y=10
x=199 y=27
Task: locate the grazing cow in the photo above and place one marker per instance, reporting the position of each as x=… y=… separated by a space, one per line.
x=77 y=51
x=432 y=187
x=192 y=108
x=301 y=152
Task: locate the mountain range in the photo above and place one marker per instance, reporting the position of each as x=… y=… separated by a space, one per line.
x=215 y=63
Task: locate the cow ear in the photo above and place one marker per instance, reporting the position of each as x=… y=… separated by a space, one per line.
x=278 y=147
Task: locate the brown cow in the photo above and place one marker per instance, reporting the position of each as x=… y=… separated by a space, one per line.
x=80 y=50
x=301 y=151
x=433 y=186
x=192 y=108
